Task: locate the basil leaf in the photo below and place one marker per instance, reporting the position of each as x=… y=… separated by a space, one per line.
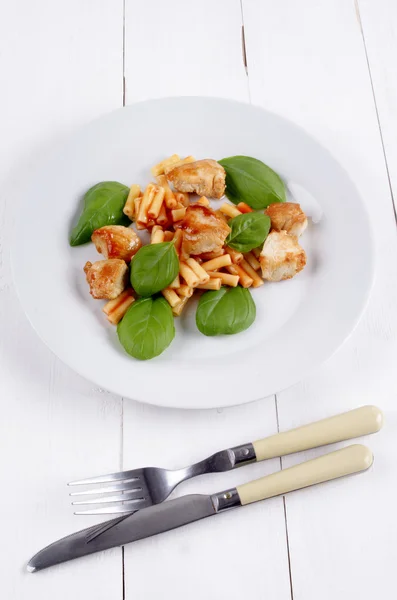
x=103 y=205
x=147 y=328
x=153 y=268
x=248 y=231
x=250 y=180
x=225 y=311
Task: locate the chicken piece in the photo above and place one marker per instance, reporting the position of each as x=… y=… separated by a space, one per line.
x=205 y=177
x=116 y=241
x=106 y=278
x=287 y=216
x=282 y=257
x=202 y=231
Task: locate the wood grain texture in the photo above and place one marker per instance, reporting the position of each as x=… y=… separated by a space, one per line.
x=311 y=67
x=56 y=73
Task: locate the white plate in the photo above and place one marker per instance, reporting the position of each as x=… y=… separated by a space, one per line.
x=299 y=323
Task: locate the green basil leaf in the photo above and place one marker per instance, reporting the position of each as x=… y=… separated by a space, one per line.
x=250 y=180
x=103 y=205
x=248 y=231
x=225 y=311
x=153 y=268
x=147 y=328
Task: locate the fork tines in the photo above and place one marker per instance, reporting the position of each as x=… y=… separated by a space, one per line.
x=131 y=487
x=121 y=476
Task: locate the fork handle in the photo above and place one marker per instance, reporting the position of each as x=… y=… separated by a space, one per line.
x=346 y=461
x=355 y=423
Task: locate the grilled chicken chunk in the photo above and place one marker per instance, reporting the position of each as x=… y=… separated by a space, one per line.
x=287 y=216
x=205 y=177
x=203 y=231
x=282 y=257
x=106 y=278
x=116 y=241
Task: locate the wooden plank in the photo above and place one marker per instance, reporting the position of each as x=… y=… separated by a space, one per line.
x=310 y=66
x=174 y=48
x=379 y=28
x=177 y=49
x=61 y=65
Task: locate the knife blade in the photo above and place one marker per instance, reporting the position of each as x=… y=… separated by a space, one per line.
x=187 y=509
x=123 y=530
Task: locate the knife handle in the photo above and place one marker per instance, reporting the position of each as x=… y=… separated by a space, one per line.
x=355 y=423
x=346 y=461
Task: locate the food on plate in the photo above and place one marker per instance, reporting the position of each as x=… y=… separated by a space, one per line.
x=245 y=280
x=154 y=317
x=106 y=278
x=170 y=163
x=133 y=195
x=116 y=241
x=287 y=217
x=252 y=260
x=244 y=208
x=169 y=196
x=248 y=231
x=204 y=177
x=282 y=257
x=226 y=311
x=203 y=230
x=154 y=268
x=157 y=235
x=257 y=281
x=229 y=211
x=103 y=205
x=216 y=252
x=116 y=309
x=250 y=181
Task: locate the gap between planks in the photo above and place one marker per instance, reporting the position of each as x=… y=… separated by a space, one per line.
x=285 y=510
x=124 y=90
x=245 y=61
x=244 y=50
x=358 y=14
x=121 y=468
x=122 y=399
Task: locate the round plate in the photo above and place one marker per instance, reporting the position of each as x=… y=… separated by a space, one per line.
x=299 y=323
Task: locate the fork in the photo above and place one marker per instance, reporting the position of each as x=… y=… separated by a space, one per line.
x=139 y=488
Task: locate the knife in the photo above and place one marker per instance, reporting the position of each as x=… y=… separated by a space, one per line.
x=187 y=509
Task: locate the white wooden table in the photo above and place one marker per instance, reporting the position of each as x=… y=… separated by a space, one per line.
x=328 y=65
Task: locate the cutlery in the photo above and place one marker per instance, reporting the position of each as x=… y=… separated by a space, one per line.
x=139 y=488
x=187 y=509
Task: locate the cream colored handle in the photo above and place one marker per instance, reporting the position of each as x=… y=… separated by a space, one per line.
x=361 y=421
x=346 y=461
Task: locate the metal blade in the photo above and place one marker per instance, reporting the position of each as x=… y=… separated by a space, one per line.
x=122 y=530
